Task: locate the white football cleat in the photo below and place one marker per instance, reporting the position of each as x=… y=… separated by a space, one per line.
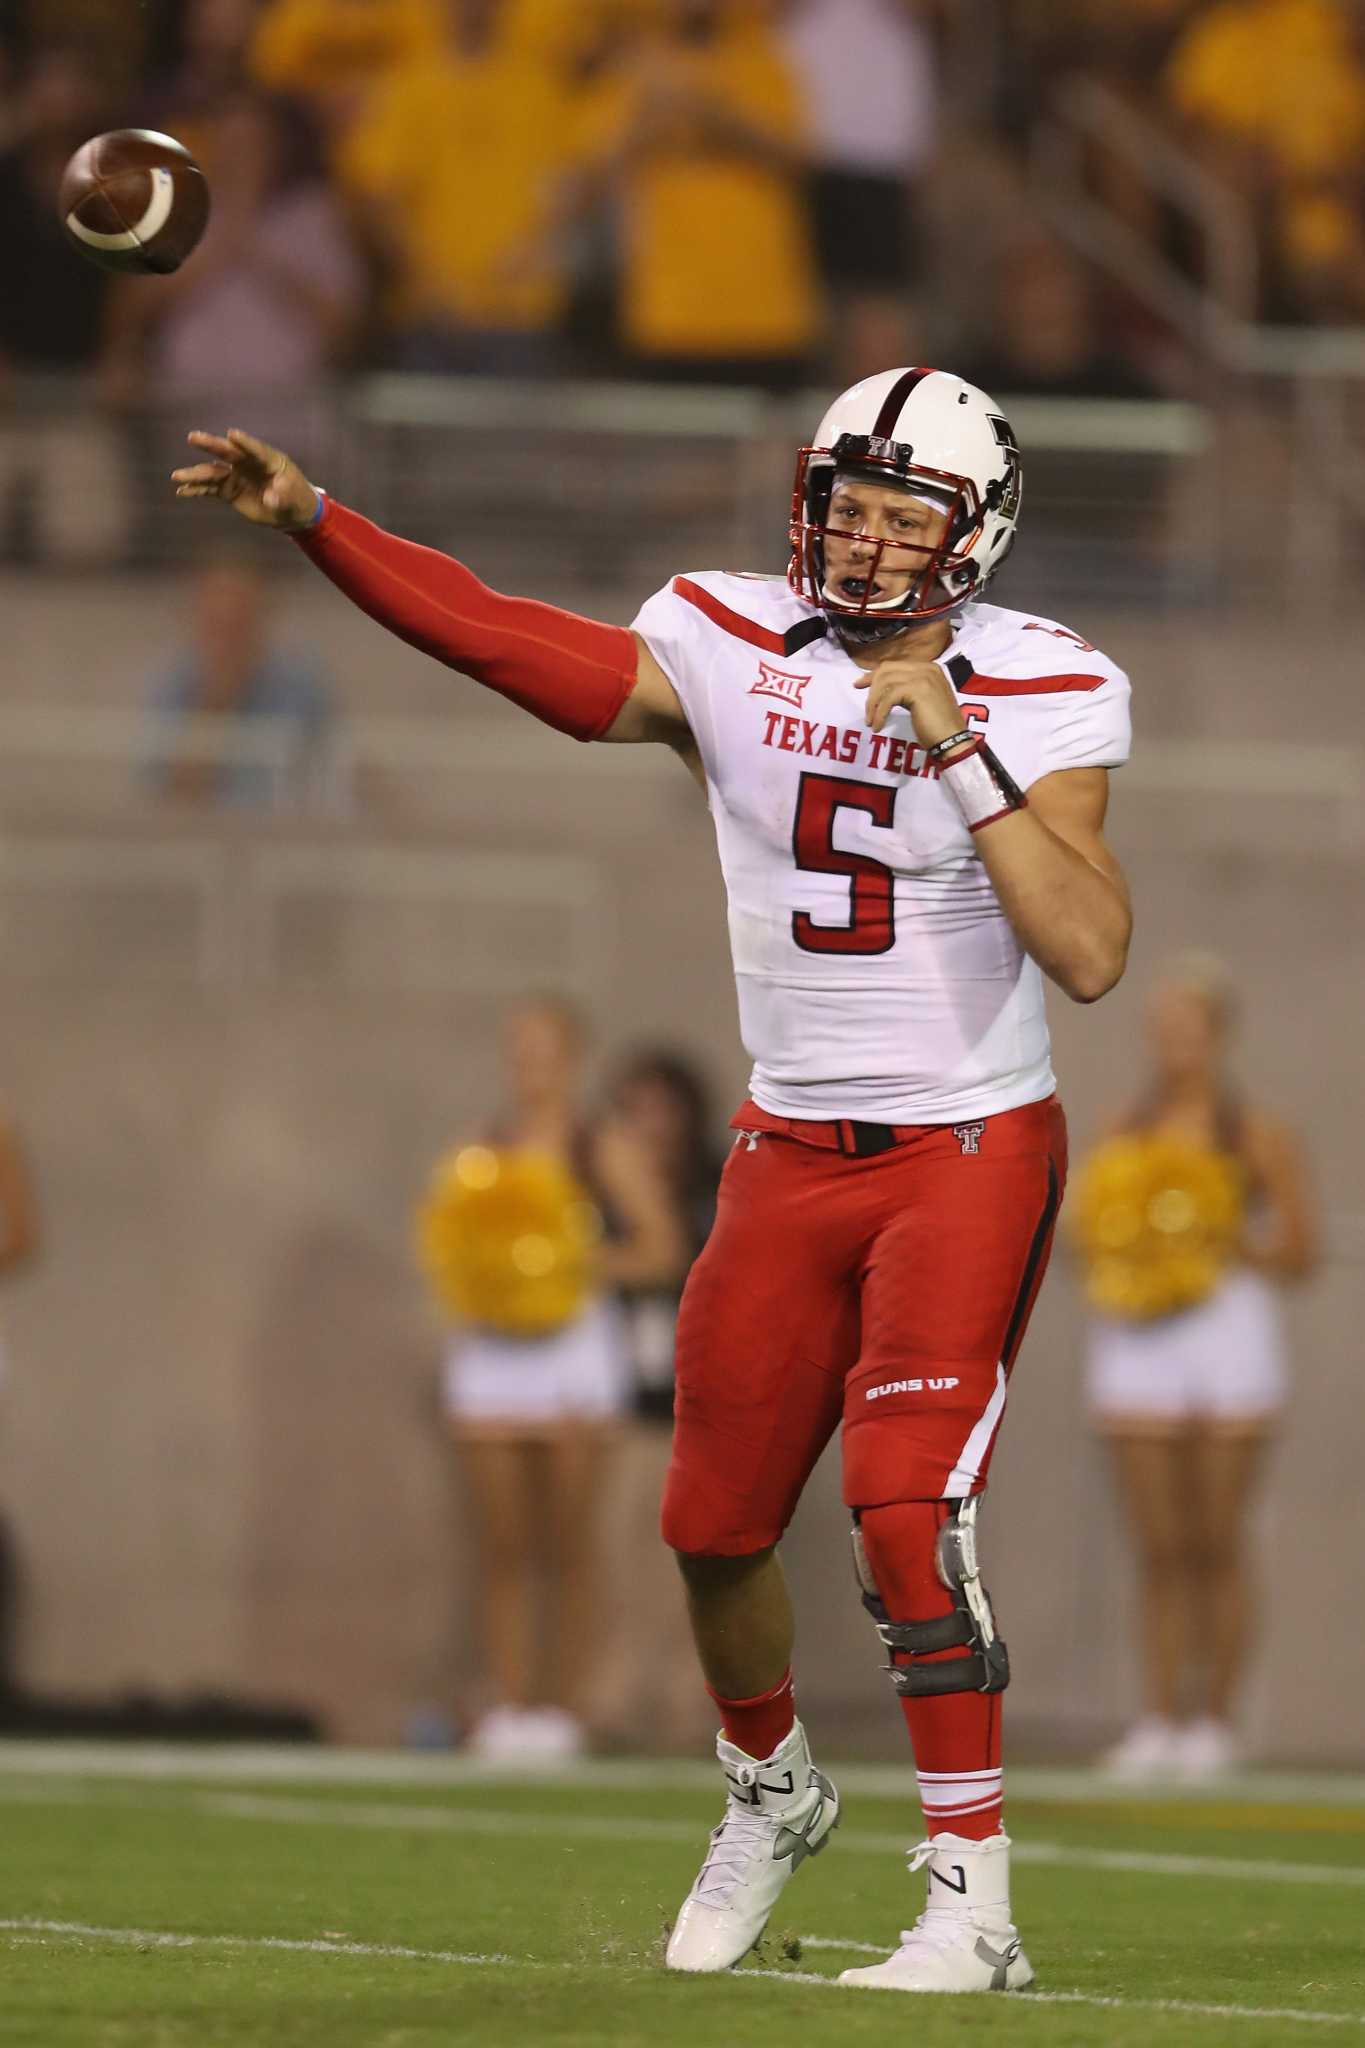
x=780 y=1811
x=964 y=1940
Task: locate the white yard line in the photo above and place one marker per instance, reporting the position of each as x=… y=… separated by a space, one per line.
x=143 y=1937
x=1152 y=1863
x=288 y=1811
x=301 y=1764
x=1196 y=2008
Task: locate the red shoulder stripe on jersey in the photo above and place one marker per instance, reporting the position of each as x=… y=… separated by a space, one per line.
x=733 y=622
x=1027 y=686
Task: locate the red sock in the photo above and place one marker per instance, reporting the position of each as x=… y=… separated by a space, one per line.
x=956 y=1740
x=955 y=1735
x=758 y=1725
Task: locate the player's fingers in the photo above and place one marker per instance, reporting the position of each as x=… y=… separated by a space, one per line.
x=200 y=473
x=214 y=444
x=888 y=696
x=260 y=451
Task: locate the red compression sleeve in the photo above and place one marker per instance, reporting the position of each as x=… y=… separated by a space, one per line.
x=573 y=673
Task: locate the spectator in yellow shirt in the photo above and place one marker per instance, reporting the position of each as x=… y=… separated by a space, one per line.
x=331 y=54
x=449 y=166
x=1273 y=93
x=1278 y=79
x=301 y=45
x=697 y=142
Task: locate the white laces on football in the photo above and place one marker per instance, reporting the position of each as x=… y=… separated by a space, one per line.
x=734 y=1845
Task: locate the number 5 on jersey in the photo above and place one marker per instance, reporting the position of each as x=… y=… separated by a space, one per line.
x=871 y=926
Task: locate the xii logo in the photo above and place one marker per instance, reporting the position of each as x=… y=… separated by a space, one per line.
x=779 y=683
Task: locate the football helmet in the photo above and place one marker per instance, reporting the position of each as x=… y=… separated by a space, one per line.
x=941 y=440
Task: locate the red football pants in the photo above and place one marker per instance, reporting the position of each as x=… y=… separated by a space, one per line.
x=891 y=1292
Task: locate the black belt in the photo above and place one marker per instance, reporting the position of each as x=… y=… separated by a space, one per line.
x=862 y=1141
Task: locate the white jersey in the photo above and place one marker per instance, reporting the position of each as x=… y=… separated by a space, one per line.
x=878 y=977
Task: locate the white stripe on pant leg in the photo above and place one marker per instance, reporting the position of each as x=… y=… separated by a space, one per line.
x=964 y=1474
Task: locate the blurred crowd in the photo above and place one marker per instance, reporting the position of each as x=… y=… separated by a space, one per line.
x=768 y=192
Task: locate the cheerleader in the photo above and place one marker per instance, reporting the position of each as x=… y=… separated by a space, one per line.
x=537 y=1377
x=1194 y=1215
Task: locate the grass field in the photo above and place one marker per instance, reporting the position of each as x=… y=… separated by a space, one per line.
x=154 y=1902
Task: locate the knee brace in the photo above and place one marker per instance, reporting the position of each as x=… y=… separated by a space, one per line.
x=970 y=1623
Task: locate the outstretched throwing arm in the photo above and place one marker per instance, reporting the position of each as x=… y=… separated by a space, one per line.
x=590 y=680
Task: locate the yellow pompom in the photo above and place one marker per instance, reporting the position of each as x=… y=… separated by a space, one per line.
x=506 y=1238
x=1158 y=1218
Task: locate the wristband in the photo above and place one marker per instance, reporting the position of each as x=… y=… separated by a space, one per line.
x=954 y=739
x=981 y=788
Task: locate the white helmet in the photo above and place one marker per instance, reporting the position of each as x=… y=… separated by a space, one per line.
x=940 y=439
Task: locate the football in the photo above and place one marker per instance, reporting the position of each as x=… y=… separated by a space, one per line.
x=134 y=200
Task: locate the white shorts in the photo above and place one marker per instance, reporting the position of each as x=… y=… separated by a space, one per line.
x=1222 y=1359
x=578 y=1373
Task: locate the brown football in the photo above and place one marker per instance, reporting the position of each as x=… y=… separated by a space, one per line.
x=134 y=200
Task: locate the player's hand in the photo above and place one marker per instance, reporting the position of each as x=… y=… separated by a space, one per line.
x=922 y=688
x=257 y=480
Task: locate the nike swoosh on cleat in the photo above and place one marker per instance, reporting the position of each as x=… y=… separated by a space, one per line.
x=999 y=1962
x=795 y=1842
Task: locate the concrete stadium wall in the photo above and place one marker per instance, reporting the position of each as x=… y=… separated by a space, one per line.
x=219 y=1443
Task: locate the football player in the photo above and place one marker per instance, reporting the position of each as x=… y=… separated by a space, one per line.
x=909 y=789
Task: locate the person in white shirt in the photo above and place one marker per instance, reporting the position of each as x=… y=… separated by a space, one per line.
x=909 y=788
x=868 y=74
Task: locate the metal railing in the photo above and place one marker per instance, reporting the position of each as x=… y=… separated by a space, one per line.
x=585 y=487
x=1307 y=383
x=1086 y=112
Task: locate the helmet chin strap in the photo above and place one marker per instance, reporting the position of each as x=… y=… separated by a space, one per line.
x=863 y=631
